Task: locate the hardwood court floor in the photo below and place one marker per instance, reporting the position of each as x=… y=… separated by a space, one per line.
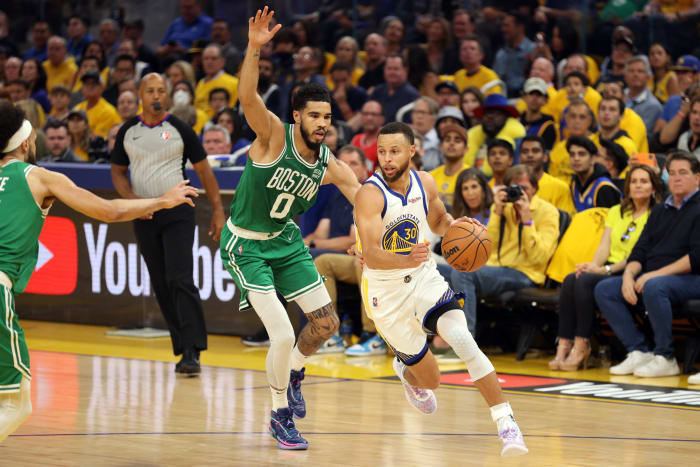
x=105 y=401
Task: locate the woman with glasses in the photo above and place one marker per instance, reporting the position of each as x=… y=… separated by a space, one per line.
x=623 y=226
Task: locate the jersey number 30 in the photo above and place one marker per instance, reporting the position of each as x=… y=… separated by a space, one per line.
x=282 y=205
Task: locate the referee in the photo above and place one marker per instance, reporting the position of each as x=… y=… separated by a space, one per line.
x=156 y=145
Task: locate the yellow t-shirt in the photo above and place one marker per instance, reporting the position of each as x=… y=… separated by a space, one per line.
x=555 y=192
x=593 y=70
x=633 y=124
x=624 y=141
x=559 y=163
x=223 y=80
x=560 y=102
x=61 y=74
x=104 y=74
x=479 y=79
x=446 y=183
x=660 y=90
x=101 y=117
x=476 y=152
x=202 y=120
x=621 y=225
x=675 y=6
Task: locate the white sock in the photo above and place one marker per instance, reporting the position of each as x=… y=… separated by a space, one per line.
x=298 y=359
x=499 y=411
x=279 y=399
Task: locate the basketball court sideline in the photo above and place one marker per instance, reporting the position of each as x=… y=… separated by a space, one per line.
x=115 y=401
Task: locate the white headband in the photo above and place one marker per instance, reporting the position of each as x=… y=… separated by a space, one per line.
x=19 y=137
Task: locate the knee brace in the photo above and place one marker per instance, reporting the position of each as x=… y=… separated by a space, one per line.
x=15 y=407
x=452 y=326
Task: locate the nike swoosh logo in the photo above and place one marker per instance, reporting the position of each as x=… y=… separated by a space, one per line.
x=376 y=345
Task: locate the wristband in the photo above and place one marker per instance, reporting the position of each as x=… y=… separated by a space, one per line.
x=528 y=223
x=608 y=272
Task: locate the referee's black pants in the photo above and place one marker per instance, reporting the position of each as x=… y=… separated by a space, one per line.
x=166 y=245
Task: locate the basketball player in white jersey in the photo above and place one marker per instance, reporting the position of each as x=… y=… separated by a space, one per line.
x=402 y=289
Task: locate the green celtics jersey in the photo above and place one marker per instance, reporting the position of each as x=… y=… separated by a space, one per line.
x=269 y=195
x=21 y=221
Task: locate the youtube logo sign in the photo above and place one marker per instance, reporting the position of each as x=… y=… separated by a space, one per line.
x=56 y=270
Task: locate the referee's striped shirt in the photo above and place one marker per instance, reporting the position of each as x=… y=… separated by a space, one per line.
x=156 y=153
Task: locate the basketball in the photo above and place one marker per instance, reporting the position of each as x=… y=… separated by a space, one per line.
x=466 y=247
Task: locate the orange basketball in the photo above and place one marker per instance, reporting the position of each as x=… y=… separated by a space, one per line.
x=466 y=247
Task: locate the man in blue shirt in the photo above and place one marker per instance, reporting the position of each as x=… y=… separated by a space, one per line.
x=184 y=30
x=40 y=37
x=78 y=36
x=639 y=96
x=512 y=59
x=396 y=91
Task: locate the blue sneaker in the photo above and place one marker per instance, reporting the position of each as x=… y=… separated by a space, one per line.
x=334 y=344
x=369 y=344
x=294 y=397
x=283 y=430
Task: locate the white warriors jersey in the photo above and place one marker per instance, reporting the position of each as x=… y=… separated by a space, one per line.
x=404 y=224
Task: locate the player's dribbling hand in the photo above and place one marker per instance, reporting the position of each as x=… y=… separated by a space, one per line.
x=180 y=193
x=420 y=253
x=258 y=32
x=468 y=220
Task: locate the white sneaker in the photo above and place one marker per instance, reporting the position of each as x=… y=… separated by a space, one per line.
x=694 y=379
x=658 y=366
x=333 y=345
x=423 y=400
x=511 y=437
x=634 y=360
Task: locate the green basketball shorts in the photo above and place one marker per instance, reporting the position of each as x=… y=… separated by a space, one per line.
x=282 y=263
x=14 y=355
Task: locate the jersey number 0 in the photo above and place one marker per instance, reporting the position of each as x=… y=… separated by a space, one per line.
x=282 y=205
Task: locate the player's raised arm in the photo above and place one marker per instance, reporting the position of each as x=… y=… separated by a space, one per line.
x=369 y=205
x=57 y=185
x=263 y=122
x=342 y=176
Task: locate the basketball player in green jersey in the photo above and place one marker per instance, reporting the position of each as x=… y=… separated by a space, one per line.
x=263 y=248
x=26 y=194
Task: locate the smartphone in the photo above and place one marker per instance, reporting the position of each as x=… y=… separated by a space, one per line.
x=646 y=158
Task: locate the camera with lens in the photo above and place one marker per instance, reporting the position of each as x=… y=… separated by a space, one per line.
x=513 y=193
x=97 y=150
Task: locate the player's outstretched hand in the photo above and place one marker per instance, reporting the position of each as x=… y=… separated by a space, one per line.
x=180 y=193
x=469 y=220
x=258 y=28
x=420 y=253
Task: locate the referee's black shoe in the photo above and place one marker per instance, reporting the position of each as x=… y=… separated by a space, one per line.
x=189 y=364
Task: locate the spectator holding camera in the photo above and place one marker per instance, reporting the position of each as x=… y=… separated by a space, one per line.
x=664 y=268
x=623 y=226
x=101 y=114
x=523 y=229
x=591 y=186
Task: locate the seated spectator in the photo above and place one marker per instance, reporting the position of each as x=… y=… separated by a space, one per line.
x=623 y=226
x=663 y=268
x=396 y=91
x=613 y=67
x=523 y=234
x=124 y=68
x=218 y=98
x=182 y=94
x=470 y=99
x=11 y=70
x=60 y=102
x=424 y=115
x=79 y=133
x=216 y=140
x=687 y=70
x=579 y=122
x=420 y=76
x=498 y=120
x=536 y=123
x=192 y=24
x=639 y=96
x=110 y=34
x=462 y=27
x=349 y=98
x=447 y=94
x=376 y=51
x=307 y=66
x=664 y=82
x=40 y=36
x=577 y=87
x=630 y=122
x=59 y=67
x=501 y=155
x=453 y=144
x=690 y=140
x=78 y=37
x=19 y=92
x=96 y=49
x=180 y=71
x=128 y=105
x=473 y=196
x=473 y=73
x=372 y=119
x=610 y=111
x=214 y=77
x=101 y=114
x=33 y=73
x=542 y=68
x=613 y=157
x=591 y=186
x=393 y=31
x=347 y=51
x=221 y=34
x=231 y=121
x=679 y=123
x=58 y=143
x=89 y=63
x=513 y=57
x=534 y=155
x=437 y=41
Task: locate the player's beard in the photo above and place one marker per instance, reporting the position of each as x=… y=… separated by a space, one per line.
x=31 y=156
x=306 y=136
x=399 y=172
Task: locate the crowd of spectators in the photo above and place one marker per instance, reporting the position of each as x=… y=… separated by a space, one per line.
x=578 y=104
